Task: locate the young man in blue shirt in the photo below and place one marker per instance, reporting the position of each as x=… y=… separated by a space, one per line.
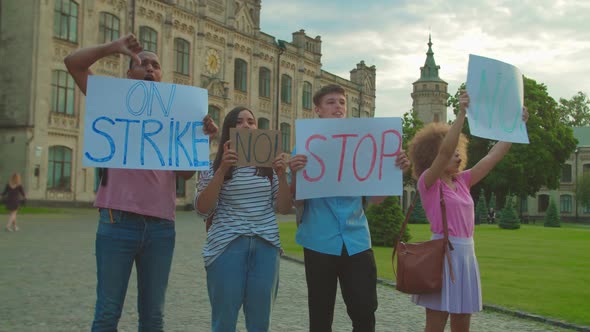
x=337 y=244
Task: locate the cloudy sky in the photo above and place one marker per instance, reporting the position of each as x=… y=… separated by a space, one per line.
x=548 y=40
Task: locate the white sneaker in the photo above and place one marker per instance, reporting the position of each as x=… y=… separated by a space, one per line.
x=8 y=229
x=16 y=229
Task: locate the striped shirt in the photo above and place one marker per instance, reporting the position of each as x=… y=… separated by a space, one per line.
x=246 y=206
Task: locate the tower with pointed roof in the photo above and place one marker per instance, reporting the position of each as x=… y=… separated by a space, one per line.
x=430 y=91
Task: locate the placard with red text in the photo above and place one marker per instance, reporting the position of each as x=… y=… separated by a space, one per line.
x=349 y=157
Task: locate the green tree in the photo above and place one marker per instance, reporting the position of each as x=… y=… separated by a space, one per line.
x=418 y=215
x=492 y=201
x=410 y=125
x=551 y=216
x=385 y=221
x=481 y=211
x=527 y=167
x=575 y=112
x=509 y=217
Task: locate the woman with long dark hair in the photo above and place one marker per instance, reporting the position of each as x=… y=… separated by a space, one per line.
x=13 y=194
x=242 y=251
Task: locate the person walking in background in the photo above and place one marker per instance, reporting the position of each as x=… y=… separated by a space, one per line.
x=136 y=210
x=438 y=153
x=242 y=252
x=12 y=195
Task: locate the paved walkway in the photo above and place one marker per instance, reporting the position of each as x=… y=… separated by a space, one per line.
x=47 y=283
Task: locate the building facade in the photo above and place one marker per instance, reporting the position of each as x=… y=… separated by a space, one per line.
x=213 y=44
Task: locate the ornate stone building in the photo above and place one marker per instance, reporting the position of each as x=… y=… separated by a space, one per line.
x=213 y=44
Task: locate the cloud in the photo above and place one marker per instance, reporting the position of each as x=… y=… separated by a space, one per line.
x=547 y=40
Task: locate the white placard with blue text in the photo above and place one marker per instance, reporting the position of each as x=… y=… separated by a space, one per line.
x=496 y=98
x=144 y=125
x=349 y=157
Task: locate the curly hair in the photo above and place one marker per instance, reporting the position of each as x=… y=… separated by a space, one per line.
x=423 y=148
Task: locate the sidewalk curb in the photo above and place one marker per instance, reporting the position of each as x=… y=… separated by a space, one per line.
x=490 y=307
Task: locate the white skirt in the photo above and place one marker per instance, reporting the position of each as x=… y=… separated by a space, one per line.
x=464 y=295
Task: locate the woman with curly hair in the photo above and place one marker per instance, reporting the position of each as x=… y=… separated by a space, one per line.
x=438 y=153
x=12 y=194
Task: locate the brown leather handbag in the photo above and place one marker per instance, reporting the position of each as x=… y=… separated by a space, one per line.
x=420 y=265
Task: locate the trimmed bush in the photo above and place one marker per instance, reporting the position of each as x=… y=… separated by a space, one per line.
x=481 y=211
x=418 y=215
x=551 y=216
x=385 y=221
x=509 y=217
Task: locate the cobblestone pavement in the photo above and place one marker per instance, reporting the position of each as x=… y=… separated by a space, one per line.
x=47 y=283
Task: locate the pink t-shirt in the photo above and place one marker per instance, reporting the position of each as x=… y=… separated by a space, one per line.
x=459 y=204
x=146 y=192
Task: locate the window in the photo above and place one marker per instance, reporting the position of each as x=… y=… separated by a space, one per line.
x=62 y=92
x=356 y=113
x=565 y=203
x=148 y=39
x=585 y=169
x=566 y=173
x=306 y=95
x=108 y=27
x=65 y=20
x=264 y=82
x=286 y=137
x=543 y=203
x=286 y=89
x=241 y=75
x=215 y=114
x=263 y=123
x=59 y=168
x=180 y=186
x=182 y=51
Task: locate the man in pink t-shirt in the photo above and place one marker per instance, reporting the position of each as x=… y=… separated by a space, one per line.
x=137 y=210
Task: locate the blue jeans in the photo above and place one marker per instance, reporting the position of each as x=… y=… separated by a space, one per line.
x=246 y=273
x=123 y=238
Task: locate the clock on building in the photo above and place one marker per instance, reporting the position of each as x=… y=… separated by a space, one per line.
x=213 y=63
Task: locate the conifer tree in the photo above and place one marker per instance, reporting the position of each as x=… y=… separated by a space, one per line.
x=492 y=202
x=551 y=216
x=509 y=217
x=481 y=211
x=418 y=215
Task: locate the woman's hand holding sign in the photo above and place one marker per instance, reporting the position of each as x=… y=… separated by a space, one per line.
x=280 y=164
x=229 y=159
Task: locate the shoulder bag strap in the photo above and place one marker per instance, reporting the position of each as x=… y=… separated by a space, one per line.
x=402 y=231
x=448 y=245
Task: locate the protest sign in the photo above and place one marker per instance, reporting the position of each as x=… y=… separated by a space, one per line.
x=144 y=125
x=256 y=147
x=349 y=157
x=496 y=96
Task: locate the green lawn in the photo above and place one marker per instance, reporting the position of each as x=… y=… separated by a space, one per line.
x=545 y=271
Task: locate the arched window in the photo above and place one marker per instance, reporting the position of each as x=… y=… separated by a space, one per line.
x=59 y=169
x=182 y=52
x=286 y=136
x=286 y=86
x=62 y=92
x=306 y=95
x=65 y=20
x=241 y=75
x=263 y=123
x=108 y=27
x=264 y=82
x=148 y=39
